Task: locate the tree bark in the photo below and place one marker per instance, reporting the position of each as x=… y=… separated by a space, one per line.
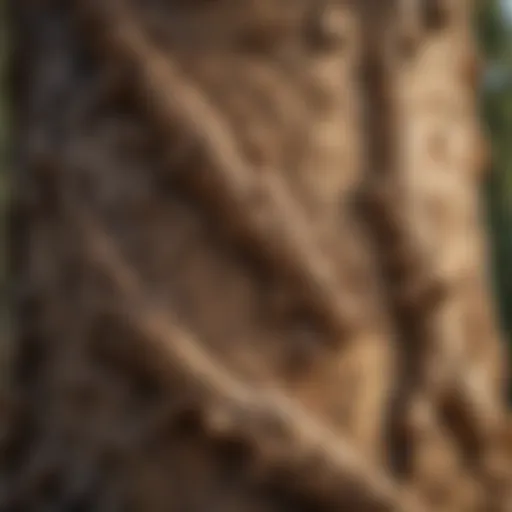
x=249 y=259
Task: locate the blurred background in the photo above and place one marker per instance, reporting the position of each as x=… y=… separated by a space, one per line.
x=493 y=22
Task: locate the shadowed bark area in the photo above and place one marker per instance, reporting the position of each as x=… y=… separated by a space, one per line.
x=250 y=268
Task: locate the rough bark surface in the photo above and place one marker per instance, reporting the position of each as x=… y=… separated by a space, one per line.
x=250 y=267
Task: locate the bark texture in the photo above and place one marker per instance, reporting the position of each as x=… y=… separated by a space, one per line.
x=250 y=267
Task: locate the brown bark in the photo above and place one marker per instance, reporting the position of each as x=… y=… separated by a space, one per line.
x=250 y=261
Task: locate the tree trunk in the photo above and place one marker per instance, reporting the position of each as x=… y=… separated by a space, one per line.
x=249 y=260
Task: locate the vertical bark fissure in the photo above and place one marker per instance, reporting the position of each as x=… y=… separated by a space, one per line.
x=379 y=187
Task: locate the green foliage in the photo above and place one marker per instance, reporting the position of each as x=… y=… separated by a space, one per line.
x=496 y=39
